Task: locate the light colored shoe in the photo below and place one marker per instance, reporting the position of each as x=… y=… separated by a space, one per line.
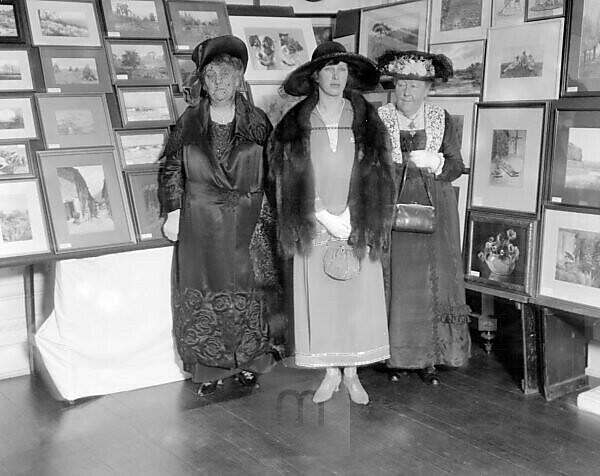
x=329 y=385
x=356 y=390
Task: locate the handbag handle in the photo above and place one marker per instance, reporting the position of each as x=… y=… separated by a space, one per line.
x=403 y=182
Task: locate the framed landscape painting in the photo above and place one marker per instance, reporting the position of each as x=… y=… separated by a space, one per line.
x=75 y=70
x=541 y=9
x=459 y=20
x=570 y=269
x=86 y=199
x=523 y=62
x=15 y=160
x=143 y=190
x=139 y=63
x=12 y=21
x=135 y=19
x=63 y=23
x=500 y=251
x=72 y=120
x=15 y=70
x=467 y=59
x=507 y=159
x=22 y=219
x=276 y=45
x=193 y=22
x=397 y=26
x=508 y=12
x=141 y=147
x=17 y=120
x=272 y=99
x=146 y=107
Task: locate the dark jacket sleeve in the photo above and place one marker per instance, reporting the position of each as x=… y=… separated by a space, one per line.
x=453 y=166
x=171 y=178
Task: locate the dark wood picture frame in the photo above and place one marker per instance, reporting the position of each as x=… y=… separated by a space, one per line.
x=20 y=25
x=154 y=27
x=130 y=101
x=142 y=186
x=130 y=74
x=16 y=160
x=127 y=151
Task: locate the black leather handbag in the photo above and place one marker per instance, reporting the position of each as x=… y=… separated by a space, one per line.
x=414 y=217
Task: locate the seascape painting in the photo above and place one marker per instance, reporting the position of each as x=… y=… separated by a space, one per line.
x=75 y=70
x=85 y=199
x=143 y=106
x=139 y=62
x=11 y=118
x=582 y=175
x=10 y=70
x=63 y=23
x=508 y=12
x=589 y=56
x=15 y=223
x=8 y=21
x=71 y=122
x=137 y=17
x=460 y=14
x=578 y=257
x=522 y=61
x=142 y=148
x=508 y=157
x=467 y=59
x=279 y=49
x=13 y=160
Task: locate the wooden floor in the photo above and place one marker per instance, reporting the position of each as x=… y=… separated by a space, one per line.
x=476 y=422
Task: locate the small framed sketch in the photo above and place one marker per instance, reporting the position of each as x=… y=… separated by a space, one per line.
x=570 y=269
x=22 y=219
x=459 y=20
x=276 y=45
x=467 y=59
x=17 y=120
x=135 y=19
x=461 y=112
x=63 y=22
x=141 y=147
x=500 y=251
x=139 y=63
x=75 y=70
x=193 y=22
x=272 y=99
x=72 y=120
x=506 y=163
x=396 y=26
x=86 y=198
x=508 y=12
x=541 y=9
x=378 y=98
x=523 y=62
x=146 y=107
x=143 y=190
x=15 y=70
x=184 y=67
x=12 y=21
x=15 y=160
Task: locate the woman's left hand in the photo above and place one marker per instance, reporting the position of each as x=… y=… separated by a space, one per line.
x=425 y=159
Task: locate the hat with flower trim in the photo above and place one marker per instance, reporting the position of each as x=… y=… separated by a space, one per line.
x=416 y=65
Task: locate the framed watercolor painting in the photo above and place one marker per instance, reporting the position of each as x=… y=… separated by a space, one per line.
x=467 y=59
x=193 y=22
x=500 y=251
x=75 y=70
x=22 y=219
x=63 y=22
x=143 y=192
x=396 y=26
x=146 y=107
x=570 y=269
x=542 y=9
x=15 y=160
x=86 y=199
x=139 y=63
x=276 y=45
x=141 y=147
x=272 y=99
x=523 y=62
x=17 y=119
x=459 y=20
x=135 y=19
x=507 y=159
x=508 y=12
x=12 y=21
x=15 y=70
x=72 y=120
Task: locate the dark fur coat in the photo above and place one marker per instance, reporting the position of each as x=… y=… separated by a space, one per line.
x=370 y=196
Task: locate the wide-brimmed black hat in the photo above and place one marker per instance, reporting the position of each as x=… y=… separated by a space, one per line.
x=363 y=71
x=417 y=65
x=206 y=51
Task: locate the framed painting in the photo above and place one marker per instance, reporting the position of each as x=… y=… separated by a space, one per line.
x=322 y=26
x=508 y=12
x=15 y=160
x=396 y=26
x=141 y=147
x=63 y=22
x=461 y=188
x=139 y=63
x=500 y=251
x=523 y=62
x=378 y=98
x=582 y=71
x=22 y=219
x=276 y=45
x=17 y=120
x=75 y=70
x=73 y=120
x=193 y=22
x=135 y=19
x=542 y=9
x=184 y=67
x=273 y=100
x=15 y=70
x=12 y=21
x=143 y=192
x=459 y=20
x=461 y=112
x=575 y=166
x=146 y=107
x=467 y=59
x=349 y=42
x=86 y=199
x=507 y=159
x=570 y=269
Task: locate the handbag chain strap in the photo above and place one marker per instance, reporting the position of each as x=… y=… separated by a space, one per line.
x=403 y=183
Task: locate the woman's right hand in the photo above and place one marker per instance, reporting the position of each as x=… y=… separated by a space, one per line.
x=338 y=226
x=170 y=227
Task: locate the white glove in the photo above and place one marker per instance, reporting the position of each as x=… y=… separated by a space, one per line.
x=170 y=227
x=427 y=160
x=338 y=226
